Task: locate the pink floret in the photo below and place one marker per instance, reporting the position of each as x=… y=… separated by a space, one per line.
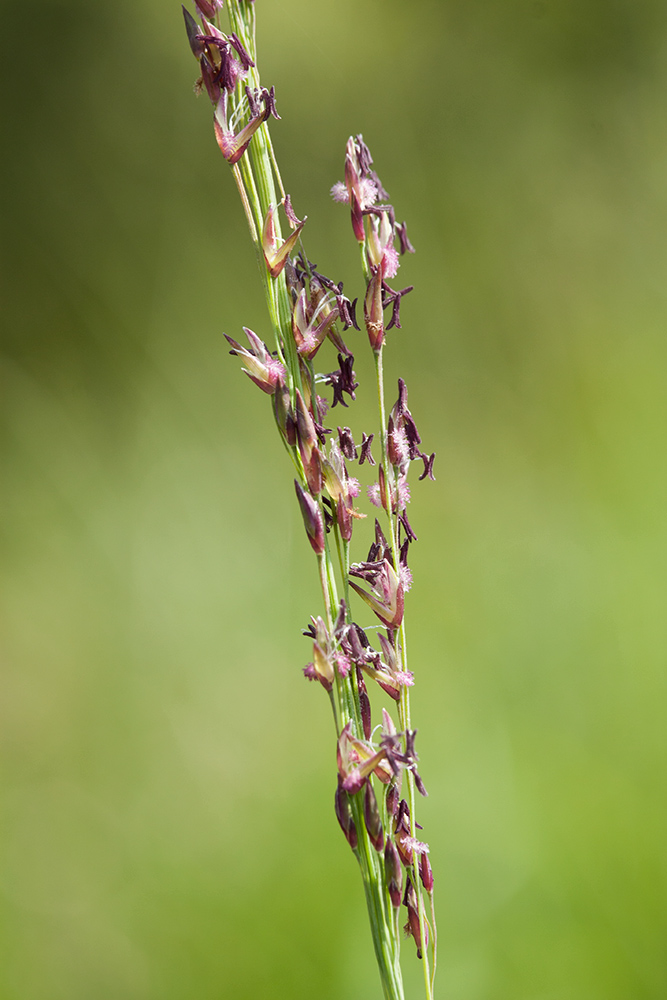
x=343 y=664
x=403 y=493
x=390 y=262
x=339 y=192
x=374 y=494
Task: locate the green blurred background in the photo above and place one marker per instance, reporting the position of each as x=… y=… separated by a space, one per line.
x=168 y=774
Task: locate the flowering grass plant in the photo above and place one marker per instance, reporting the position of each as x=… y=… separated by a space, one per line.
x=377 y=780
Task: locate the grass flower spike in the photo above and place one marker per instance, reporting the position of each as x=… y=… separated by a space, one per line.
x=377 y=778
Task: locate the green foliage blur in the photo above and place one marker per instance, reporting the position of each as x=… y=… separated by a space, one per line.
x=168 y=775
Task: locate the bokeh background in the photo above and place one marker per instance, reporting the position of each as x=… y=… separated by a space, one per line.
x=168 y=774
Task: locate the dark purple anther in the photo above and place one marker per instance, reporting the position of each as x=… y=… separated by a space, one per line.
x=394 y=297
x=403 y=556
x=407 y=527
x=356 y=649
x=342 y=380
x=403 y=817
x=361 y=635
x=428 y=466
x=405 y=244
x=380 y=188
x=347 y=445
x=321 y=431
x=269 y=98
x=347 y=310
x=413 y=436
x=244 y=55
x=364 y=157
x=404 y=423
x=333 y=379
x=230 y=70
x=347 y=375
x=382 y=482
x=366 y=455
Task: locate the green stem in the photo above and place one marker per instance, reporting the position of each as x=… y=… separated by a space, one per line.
x=382 y=929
